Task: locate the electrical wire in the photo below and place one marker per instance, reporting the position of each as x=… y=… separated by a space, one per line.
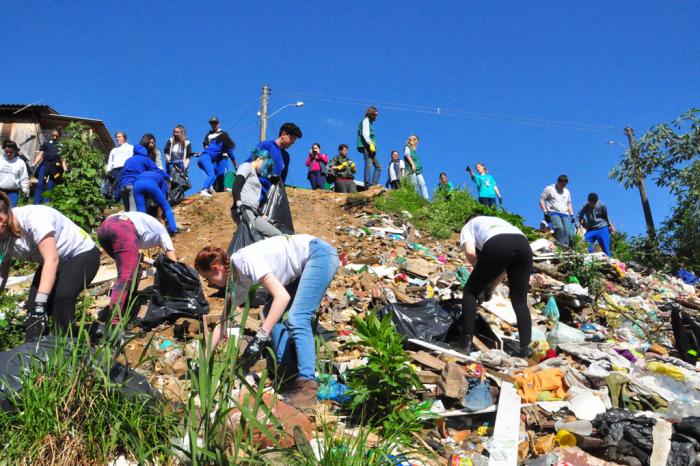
x=440 y=111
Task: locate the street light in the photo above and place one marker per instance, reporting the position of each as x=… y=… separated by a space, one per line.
x=264 y=117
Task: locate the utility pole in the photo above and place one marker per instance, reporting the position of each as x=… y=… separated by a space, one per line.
x=651 y=231
x=263 y=112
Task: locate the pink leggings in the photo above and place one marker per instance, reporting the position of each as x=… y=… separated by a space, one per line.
x=120 y=240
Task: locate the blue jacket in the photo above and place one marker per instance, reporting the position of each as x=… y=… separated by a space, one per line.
x=159 y=177
x=280 y=162
x=138 y=163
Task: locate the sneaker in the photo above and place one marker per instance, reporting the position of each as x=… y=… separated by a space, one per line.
x=205 y=193
x=211 y=190
x=304 y=396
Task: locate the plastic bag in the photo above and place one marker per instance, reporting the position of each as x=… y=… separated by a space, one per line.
x=551 y=309
x=332 y=390
x=179 y=183
x=276 y=209
x=424 y=320
x=562 y=333
x=478 y=397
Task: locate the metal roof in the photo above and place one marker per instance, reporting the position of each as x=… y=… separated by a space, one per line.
x=35 y=107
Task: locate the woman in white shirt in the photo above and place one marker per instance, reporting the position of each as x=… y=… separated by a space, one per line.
x=494 y=246
x=68 y=261
x=122 y=236
x=275 y=263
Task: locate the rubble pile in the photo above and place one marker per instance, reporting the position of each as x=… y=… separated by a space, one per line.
x=612 y=377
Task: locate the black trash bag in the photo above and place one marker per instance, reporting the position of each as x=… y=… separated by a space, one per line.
x=18 y=361
x=689 y=426
x=277 y=210
x=176 y=292
x=686 y=333
x=108 y=187
x=245 y=235
x=628 y=437
x=435 y=322
x=179 y=184
x=424 y=320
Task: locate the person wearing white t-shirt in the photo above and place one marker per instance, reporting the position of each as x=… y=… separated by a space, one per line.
x=275 y=263
x=68 y=261
x=117 y=157
x=397 y=170
x=122 y=236
x=494 y=246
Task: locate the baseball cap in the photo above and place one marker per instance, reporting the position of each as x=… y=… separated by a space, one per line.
x=213 y=120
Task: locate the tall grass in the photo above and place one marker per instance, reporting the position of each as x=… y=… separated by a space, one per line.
x=446 y=213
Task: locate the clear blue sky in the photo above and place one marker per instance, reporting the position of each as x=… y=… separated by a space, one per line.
x=146 y=66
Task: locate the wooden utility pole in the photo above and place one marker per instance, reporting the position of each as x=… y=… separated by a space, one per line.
x=263 y=112
x=651 y=231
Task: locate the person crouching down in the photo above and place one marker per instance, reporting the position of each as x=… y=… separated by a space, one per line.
x=494 y=247
x=68 y=261
x=275 y=263
x=247 y=191
x=122 y=236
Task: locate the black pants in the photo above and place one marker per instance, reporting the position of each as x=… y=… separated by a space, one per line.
x=345 y=185
x=72 y=277
x=488 y=201
x=512 y=253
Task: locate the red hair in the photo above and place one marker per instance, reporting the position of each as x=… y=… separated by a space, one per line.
x=209 y=256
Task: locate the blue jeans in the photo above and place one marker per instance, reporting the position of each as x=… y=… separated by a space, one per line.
x=147 y=187
x=370 y=161
x=563 y=229
x=602 y=236
x=421 y=187
x=39 y=190
x=318 y=272
x=488 y=201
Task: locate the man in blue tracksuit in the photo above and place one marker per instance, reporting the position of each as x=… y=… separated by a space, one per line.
x=594 y=218
x=277 y=148
x=135 y=165
x=218 y=148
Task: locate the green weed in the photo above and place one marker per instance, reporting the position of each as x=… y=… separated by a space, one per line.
x=11 y=320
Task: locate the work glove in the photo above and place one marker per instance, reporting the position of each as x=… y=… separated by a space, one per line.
x=236 y=214
x=547 y=217
x=372 y=148
x=36 y=322
x=255 y=348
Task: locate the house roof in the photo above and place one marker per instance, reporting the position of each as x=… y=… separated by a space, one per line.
x=49 y=117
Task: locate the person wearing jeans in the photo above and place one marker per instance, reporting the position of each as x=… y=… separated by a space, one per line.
x=415 y=166
x=276 y=263
x=122 y=236
x=494 y=247
x=49 y=166
x=366 y=145
x=317 y=163
x=68 y=261
x=555 y=202
x=594 y=218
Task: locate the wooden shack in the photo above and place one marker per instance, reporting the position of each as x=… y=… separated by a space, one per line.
x=30 y=125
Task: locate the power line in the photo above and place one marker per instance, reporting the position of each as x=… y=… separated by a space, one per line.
x=440 y=111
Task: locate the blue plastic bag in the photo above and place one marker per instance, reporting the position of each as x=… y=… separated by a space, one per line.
x=551 y=309
x=478 y=396
x=334 y=391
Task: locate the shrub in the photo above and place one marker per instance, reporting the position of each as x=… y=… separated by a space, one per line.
x=11 y=320
x=78 y=197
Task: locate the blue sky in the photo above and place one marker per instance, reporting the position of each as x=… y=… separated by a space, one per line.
x=595 y=66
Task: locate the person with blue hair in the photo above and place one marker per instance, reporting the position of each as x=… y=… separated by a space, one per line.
x=154 y=185
x=134 y=166
x=277 y=148
x=247 y=191
x=218 y=148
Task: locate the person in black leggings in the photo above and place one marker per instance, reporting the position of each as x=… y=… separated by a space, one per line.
x=494 y=247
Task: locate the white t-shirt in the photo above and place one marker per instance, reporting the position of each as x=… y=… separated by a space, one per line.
x=38 y=221
x=151 y=232
x=479 y=230
x=393 y=175
x=284 y=256
x=555 y=201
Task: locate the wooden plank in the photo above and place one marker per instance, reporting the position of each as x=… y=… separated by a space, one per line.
x=428 y=360
x=506 y=429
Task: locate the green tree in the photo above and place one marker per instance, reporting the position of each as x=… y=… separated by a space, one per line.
x=78 y=197
x=670 y=153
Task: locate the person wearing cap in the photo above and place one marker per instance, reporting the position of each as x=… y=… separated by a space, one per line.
x=277 y=148
x=555 y=202
x=594 y=218
x=485 y=185
x=218 y=148
x=275 y=263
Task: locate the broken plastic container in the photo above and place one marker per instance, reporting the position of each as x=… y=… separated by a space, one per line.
x=580 y=427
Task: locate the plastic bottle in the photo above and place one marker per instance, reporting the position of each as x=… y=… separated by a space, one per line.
x=581 y=427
